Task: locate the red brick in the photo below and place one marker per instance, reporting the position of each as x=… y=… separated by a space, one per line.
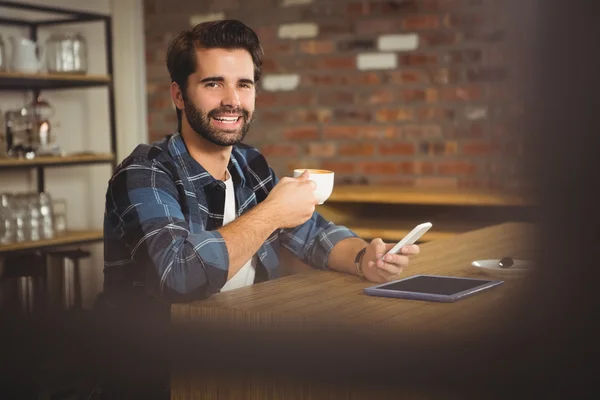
x=444 y=76
x=411 y=76
x=340 y=132
x=266 y=99
x=157 y=88
x=396 y=6
x=364 y=78
x=463 y=21
x=320 y=149
x=436 y=113
x=302 y=163
x=273 y=116
x=416 y=59
x=339 y=167
x=336 y=98
x=419 y=22
x=378 y=97
x=295 y=99
x=321 y=80
x=266 y=33
x=312 y=116
x=357 y=149
x=275 y=48
x=428 y=95
x=439 y=38
x=279 y=150
x=269 y=65
x=439 y=148
x=301 y=133
x=397 y=149
x=377 y=26
x=378 y=168
x=424 y=131
x=337 y=63
x=316 y=46
x=479 y=148
x=160 y=102
x=352 y=115
x=332 y=29
x=380 y=132
x=357 y=45
x=457 y=168
x=394 y=114
x=464 y=93
x=416 y=167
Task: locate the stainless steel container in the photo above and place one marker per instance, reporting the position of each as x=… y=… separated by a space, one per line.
x=66 y=53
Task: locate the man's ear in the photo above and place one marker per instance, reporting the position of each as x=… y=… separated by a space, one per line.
x=177 y=95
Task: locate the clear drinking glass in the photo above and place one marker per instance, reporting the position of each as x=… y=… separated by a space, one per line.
x=59 y=209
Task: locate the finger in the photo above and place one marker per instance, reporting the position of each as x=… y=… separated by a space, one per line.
x=410 y=250
x=398 y=260
x=304 y=176
x=379 y=247
x=393 y=269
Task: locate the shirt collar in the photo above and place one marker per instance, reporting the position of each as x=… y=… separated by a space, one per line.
x=194 y=171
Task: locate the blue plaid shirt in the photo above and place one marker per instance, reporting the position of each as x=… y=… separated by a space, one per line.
x=163 y=210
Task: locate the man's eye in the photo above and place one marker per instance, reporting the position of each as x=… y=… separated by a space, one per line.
x=211 y=84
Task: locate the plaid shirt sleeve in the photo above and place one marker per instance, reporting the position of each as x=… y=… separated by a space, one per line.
x=313 y=241
x=144 y=212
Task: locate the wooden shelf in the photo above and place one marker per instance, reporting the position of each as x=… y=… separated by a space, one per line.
x=56 y=161
x=23 y=81
x=49 y=161
x=70 y=237
x=425 y=196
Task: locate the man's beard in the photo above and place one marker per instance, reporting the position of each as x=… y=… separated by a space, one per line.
x=200 y=122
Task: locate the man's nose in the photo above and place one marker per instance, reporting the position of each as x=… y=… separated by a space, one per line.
x=231 y=98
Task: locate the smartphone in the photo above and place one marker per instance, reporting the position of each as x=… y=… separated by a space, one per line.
x=411 y=237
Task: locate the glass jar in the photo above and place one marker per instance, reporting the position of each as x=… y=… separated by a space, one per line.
x=66 y=53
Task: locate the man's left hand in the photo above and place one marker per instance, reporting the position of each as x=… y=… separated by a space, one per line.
x=379 y=270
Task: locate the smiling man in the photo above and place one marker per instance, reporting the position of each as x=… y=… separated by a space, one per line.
x=201 y=212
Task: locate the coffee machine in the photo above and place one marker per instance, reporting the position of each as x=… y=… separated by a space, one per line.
x=28 y=131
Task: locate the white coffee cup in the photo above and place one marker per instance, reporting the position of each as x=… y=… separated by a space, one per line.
x=324 y=180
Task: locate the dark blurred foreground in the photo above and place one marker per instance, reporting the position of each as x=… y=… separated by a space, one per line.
x=545 y=346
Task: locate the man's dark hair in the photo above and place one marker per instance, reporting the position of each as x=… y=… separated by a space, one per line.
x=222 y=34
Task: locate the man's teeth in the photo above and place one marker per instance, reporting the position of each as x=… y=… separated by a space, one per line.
x=227 y=120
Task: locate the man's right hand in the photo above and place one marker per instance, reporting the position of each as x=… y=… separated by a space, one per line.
x=292 y=201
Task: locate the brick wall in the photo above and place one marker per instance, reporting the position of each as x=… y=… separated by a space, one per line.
x=411 y=92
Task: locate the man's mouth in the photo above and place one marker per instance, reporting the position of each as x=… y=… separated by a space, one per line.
x=227 y=120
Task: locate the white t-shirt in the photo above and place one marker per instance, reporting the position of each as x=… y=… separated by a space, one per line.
x=245 y=276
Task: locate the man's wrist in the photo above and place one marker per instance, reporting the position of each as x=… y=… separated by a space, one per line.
x=358 y=262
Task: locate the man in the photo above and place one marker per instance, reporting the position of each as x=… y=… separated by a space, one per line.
x=200 y=212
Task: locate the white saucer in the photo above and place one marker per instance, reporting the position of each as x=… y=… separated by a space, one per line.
x=491 y=267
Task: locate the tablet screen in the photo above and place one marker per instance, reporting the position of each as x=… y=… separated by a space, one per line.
x=434 y=285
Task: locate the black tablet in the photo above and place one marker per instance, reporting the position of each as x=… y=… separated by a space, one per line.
x=432 y=288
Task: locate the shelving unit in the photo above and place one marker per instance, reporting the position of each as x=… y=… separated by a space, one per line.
x=17 y=81
x=391 y=212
